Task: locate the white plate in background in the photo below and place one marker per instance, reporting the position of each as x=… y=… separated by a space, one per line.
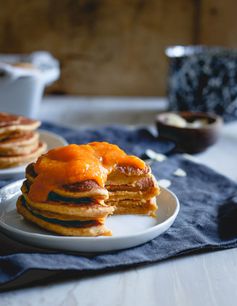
x=128 y=230
x=53 y=141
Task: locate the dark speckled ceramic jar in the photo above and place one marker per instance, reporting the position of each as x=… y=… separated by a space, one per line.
x=203 y=79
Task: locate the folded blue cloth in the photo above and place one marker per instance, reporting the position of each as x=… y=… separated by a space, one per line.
x=207 y=218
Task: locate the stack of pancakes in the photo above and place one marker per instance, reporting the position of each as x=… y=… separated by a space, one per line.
x=80 y=208
x=73 y=210
x=19 y=140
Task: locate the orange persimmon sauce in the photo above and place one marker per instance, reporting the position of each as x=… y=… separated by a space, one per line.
x=75 y=163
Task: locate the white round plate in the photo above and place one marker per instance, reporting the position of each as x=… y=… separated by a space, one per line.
x=128 y=230
x=53 y=141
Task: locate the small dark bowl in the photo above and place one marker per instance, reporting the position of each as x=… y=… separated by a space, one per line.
x=190 y=139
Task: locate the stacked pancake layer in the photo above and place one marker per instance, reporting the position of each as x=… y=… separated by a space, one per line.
x=19 y=141
x=80 y=208
x=132 y=191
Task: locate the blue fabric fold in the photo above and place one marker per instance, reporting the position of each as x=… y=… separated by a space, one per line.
x=207 y=218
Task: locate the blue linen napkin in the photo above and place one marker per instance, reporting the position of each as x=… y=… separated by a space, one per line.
x=207 y=218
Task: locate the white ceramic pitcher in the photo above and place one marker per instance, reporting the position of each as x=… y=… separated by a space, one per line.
x=21 y=89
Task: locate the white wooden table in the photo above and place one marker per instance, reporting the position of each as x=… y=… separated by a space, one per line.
x=205 y=279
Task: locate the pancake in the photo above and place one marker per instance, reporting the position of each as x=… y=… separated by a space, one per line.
x=62 y=217
x=16 y=160
x=11 y=123
x=134 y=207
x=144 y=188
x=127 y=175
x=90 y=208
x=87 y=188
x=72 y=190
x=16 y=150
x=78 y=228
x=19 y=140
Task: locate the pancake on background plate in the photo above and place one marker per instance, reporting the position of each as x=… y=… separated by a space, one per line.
x=19 y=140
x=72 y=190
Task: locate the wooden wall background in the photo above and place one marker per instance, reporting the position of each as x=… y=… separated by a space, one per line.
x=114 y=47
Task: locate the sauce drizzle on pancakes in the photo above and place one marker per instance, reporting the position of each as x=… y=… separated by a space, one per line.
x=74 y=163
